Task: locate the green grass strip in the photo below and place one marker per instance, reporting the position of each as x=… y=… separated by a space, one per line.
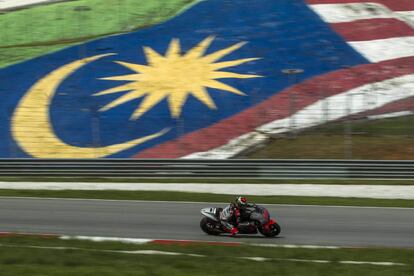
x=41 y=29
x=204 y=197
x=386 y=139
x=16 y=258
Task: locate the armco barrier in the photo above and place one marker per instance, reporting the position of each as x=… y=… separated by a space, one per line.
x=184 y=168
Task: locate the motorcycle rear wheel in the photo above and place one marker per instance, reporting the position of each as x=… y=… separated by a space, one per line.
x=208 y=226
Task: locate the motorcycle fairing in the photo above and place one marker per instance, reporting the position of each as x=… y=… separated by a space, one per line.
x=210 y=213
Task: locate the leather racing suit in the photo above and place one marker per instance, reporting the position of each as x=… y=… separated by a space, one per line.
x=231 y=215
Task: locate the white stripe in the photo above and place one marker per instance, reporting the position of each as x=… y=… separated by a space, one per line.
x=262 y=259
x=338 y=13
x=407 y=16
x=390 y=115
x=341 y=13
x=257 y=259
x=385 y=49
x=295 y=246
x=106 y=239
x=372 y=263
x=363 y=98
x=305 y=260
x=233 y=147
x=155 y=252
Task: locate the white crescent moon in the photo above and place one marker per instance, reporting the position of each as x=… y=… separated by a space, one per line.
x=32 y=128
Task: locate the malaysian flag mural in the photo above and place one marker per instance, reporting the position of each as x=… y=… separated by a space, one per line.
x=216 y=79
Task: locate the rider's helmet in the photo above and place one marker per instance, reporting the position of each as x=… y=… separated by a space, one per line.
x=241 y=202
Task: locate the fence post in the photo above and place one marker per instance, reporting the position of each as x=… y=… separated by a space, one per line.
x=291 y=74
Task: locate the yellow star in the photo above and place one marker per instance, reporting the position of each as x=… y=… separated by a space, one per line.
x=175 y=77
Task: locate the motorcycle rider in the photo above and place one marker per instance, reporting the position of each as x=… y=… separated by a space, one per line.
x=233 y=213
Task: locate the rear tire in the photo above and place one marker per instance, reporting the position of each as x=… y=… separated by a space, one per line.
x=208 y=226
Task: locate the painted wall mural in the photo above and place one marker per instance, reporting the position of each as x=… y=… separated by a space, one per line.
x=202 y=80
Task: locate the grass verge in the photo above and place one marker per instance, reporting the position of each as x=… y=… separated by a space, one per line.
x=19 y=257
x=41 y=29
x=204 y=197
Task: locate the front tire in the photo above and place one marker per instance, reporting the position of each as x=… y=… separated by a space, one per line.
x=209 y=226
x=274 y=231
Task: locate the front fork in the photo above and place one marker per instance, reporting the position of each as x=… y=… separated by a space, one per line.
x=266 y=227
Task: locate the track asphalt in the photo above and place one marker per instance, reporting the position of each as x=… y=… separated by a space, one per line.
x=316 y=225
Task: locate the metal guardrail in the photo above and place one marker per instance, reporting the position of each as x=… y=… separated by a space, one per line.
x=185 y=168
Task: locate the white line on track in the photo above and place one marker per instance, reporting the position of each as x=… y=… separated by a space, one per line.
x=297 y=246
x=106 y=239
x=141 y=252
x=146 y=241
x=262 y=259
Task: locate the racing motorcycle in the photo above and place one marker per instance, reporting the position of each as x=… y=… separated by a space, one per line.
x=256 y=219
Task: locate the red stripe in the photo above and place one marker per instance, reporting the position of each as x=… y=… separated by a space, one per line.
x=395 y=5
x=370 y=29
x=275 y=107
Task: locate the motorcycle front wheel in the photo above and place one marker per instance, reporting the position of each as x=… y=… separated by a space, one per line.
x=273 y=231
x=209 y=226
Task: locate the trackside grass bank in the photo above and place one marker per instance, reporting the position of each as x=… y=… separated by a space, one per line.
x=51 y=256
x=386 y=139
x=38 y=30
x=205 y=197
